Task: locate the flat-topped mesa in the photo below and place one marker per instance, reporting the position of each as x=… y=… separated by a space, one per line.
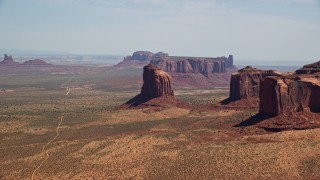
x=137 y=58
x=309 y=69
x=37 y=62
x=8 y=60
x=282 y=95
x=156 y=83
x=143 y=56
x=246 y=82
x=201 y=65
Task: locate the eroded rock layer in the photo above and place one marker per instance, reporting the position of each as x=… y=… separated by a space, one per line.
x=204 y=66
x=246 y=82
x=282 y=95
x=156 y=83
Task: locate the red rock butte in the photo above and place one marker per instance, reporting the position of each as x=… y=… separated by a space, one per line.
x=246 y=82
x=156 y=89
x=299 y=92
x=156 y=83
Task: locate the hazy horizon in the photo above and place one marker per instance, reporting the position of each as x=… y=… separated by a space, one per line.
x=253 y=30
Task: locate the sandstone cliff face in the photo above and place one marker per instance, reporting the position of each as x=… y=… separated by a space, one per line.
x=190 y=65
x=281 y=95
x=8 y=60
x=246 y=83
x=156 y=83
x=179 y=64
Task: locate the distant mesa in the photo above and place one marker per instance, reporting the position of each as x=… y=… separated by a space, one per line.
x=204 y=66
x=141 y=56
x=137 y=58
x=187 y=71
x=156 y=89
x=37 y=62
x=8 y=60
x=246 y=82
x=180 y=64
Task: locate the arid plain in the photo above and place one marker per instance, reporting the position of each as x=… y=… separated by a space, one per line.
x=64 y=123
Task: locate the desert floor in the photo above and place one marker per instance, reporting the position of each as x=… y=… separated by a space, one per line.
x=67 y=125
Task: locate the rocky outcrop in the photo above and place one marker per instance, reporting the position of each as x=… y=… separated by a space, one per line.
x=156 y=83
x=36 y=62
x=246 y=82
x=281 y=95
x=8 y=60
x=297 y=92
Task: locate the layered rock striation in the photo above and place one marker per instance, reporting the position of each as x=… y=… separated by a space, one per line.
x=205 y=66
x=246 y=82
x=187 y=71
x=295 y=93
x=180 y=64
x=156 y=83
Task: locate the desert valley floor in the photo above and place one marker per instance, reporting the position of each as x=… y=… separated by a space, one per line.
x=62 y=124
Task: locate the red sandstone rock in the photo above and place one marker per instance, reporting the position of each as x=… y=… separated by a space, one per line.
x=204 y=66
x=187 y=71
x=156 y=90
x=156 y=83
x=246 y=83
x=281 y=95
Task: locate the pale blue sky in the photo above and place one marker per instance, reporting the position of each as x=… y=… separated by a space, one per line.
x=284 y=30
